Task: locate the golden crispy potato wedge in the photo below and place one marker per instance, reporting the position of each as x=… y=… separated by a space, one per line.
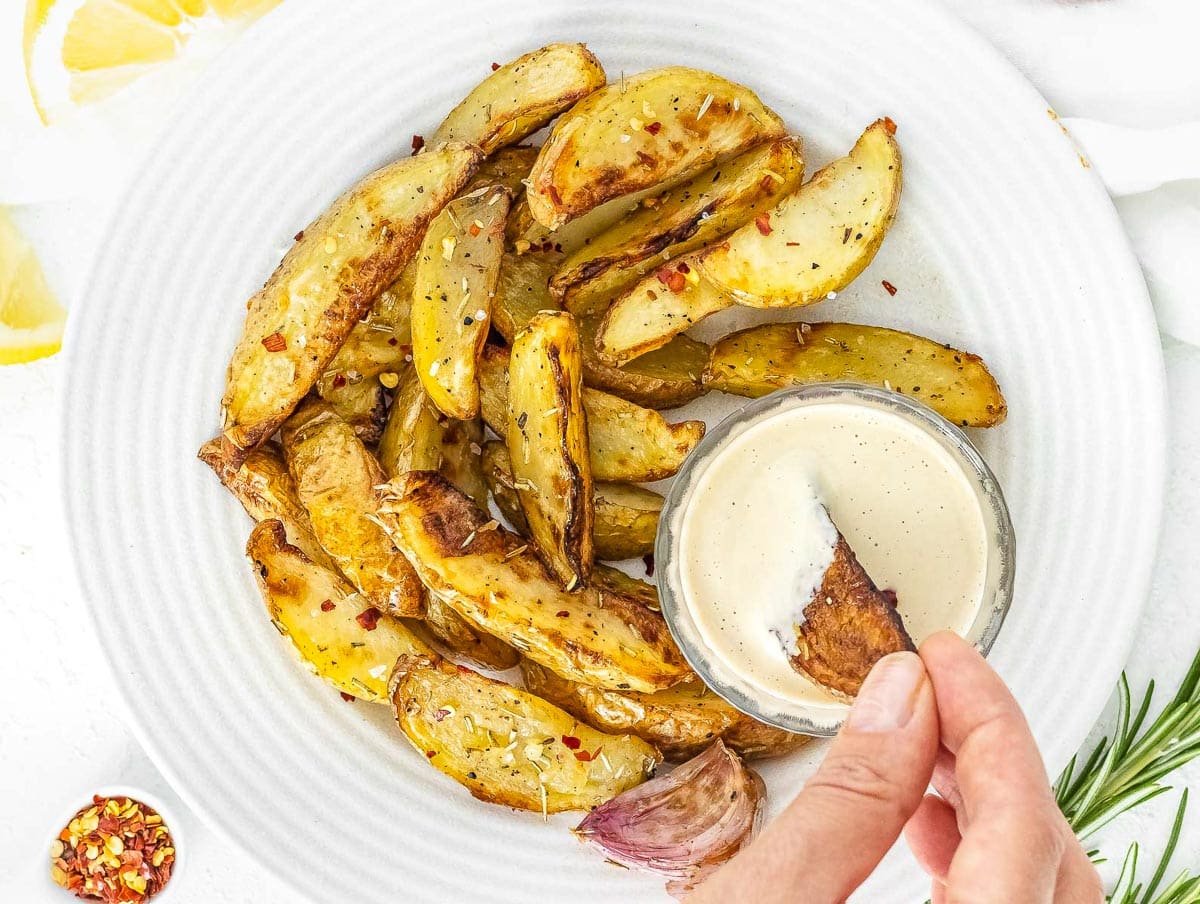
x=519 y=98
x=666 y=378
x=507 y=746
x=342 y=637
x=681 y=219
x=816 y=241
x=465 y=640
x=646 y=129
x=507 y=167
x=848 y=627
x=456 y=277
x=412 y=439
x=955 y=384
x=547 y=439
x=462 y=461
x=264 y=487
x=681 y=721
x=327 y=281
x=626 y=515
x=336 y=479
x=627 y=442
x=492 y=577
x=819 y=239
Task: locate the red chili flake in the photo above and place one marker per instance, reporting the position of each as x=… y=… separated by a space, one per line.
x=495 y=66
x=328 y=606
x=368 y=618
x=583 y=756
x=562 y=613
x=547 y=245
x=890 y=596
x=418 y=142
x=137 y=852
x=653 y=127
x=440 y=714
x=763 y=223
x=766 y=183
x=393 y=341
x=554 y=195
x=275 y=342
x=431 y=753
x=339 y=380
x=891 y=290
x=645 y=159
x=683 y=267
x=473 y=229
x=890 y=125
x=349 y=698
x=672 y=279
x=571 y=742
x=648 y=559
x=299 y=235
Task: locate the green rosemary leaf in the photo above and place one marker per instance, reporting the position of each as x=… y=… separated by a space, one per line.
x=1169 y=852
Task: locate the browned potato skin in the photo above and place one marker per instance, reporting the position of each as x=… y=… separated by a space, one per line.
x=762 y=359
x=547 y=439
x=522 y=96
x=492 y=577
x=584 y=162
x=681 y=721
x=507 y=167
x=627 y=442
x=677 y=221
x=315 y=296
x=848 y=627
x=467 y=641
x=336 y=479
x=461 y=722
x=666 y=378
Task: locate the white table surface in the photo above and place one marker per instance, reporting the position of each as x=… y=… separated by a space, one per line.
x=1129 y=62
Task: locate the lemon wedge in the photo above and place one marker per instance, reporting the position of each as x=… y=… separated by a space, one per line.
x=80 y=52
x=31 y=319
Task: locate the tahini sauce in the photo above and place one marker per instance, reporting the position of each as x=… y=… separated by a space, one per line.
x=756 y=535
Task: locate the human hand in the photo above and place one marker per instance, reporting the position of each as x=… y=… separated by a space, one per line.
x=994 y=835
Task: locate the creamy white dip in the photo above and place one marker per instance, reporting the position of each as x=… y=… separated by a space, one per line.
x=756 y=533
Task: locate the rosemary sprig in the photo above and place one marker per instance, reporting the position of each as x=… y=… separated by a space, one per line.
x=1184 y=889
x=1123 y=773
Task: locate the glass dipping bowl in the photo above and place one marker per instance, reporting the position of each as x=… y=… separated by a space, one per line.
x=783 y=712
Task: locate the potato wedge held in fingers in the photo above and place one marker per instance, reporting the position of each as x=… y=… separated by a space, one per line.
x=465 y=640
x=636 y=133
x=627 y=442
x=681 y=721
x=626 y=519
x=955 y=384
x=456 y=276
x=682 y=219
x=336 y=479
x=547 y=438
x=522 y=96
x=507 y=746
x=820 y=238
x=492 y=577
x=325 y=283
x=342 y=637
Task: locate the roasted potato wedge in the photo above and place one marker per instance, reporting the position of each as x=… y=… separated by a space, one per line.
x=492 y=577
x=626 y=515
x=457 y=270
x=412 y=439
x=547 y=439
x=342 y=637
x=507 y=746
x=848 y=627
x=328 y=280
x=646 y=129
x=815 y=241
x=627 y=442
x=681 y=219
x=462 y=458
x=465 y=640
x=266 y=491
x=681 y=721
x=955 y=384
x=666 y=378
x=507 y=167
x=820 y=238
x=336 y=479
x=519 y=98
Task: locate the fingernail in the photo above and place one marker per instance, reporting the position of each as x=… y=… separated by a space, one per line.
x=888 y=696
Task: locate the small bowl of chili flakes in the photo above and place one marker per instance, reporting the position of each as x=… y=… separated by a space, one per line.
x=119 y=847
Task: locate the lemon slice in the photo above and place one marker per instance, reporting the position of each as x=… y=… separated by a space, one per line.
x=79 y=52
x=31 y=320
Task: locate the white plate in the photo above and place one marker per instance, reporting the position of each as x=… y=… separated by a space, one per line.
x=1005 y=244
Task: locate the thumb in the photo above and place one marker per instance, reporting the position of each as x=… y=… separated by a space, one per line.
x=853 y=809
